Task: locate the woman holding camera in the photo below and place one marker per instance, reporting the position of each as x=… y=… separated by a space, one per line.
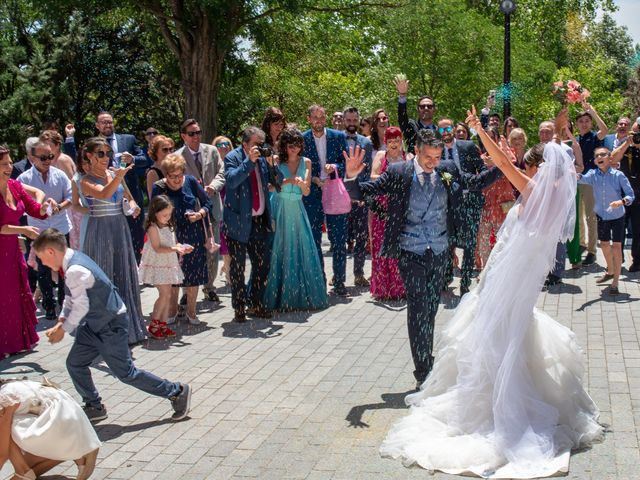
x=192 y=205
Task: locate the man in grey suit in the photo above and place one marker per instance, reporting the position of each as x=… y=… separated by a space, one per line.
x=204 y=163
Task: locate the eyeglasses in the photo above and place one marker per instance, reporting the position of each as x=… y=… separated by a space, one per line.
x=223 y=145
x=602 y=155
x=45 y=158
x=104 y=153
x=106 y=122
x=194 y=133
x=167 y=149
x=384 y=119
x=150 y=134
x=445 y=129
x=176 y=176
x=429 y=106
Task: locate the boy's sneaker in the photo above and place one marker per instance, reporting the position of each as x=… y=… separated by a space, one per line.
x=95 y=414
x=181 y=403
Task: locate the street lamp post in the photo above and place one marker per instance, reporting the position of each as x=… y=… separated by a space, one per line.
x=507 y=7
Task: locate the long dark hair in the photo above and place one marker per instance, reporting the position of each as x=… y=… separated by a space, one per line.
x=272 y=115
x=289 y=136
x=90 y=146
x=375 y=138
x=157 y=204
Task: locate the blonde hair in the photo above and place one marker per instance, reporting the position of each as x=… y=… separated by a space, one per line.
x=518 y=132
x=173 y=162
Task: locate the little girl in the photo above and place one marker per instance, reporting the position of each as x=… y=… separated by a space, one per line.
x=159 y=265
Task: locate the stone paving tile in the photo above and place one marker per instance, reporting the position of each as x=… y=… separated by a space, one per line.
x=312 y=395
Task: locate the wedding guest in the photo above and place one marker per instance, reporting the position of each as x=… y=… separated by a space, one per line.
x=517 y=140
x=498 y=200
x=337 y=121
x=159 y=148
x=614 y=140
x=272 y=125
x=461 y=132
x=386 y=282
x=191 y=209
x=224 y=146
x=126 y=152
x=295 y=279
x=612 y=192
x=149 y=134
x=96 y=313
x=248 y=223
x=61 y=160
x=18 y=324
x=509 y=124
x=358 y=216
x=203 y=162
x=325 y=147
x=26 y=163
x=108 y=237
x=80 y=205
x=589 y=140
x=56 y=186
x=380 y=124
x=628 y=156
x=426 y=111
x=365 y=127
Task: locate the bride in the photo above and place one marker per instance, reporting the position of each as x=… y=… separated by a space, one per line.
x=505 y=396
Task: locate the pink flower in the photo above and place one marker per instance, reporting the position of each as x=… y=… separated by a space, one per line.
x=573 y=85
x=585 y=93
x=573 y=96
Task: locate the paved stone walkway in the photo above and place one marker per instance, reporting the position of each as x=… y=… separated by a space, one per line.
x=311 y=395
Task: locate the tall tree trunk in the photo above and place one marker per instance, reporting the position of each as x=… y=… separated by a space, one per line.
x=201 y=70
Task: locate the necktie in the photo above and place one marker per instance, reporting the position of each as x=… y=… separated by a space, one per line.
x=255 y=194
x=196 y=159
x=450 y=153
x=426 y=179
x=114 y=161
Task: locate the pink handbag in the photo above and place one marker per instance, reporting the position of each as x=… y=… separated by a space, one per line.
x=335 y=198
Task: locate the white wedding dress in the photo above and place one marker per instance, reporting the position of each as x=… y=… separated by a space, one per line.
x=505 y=396
x=48 y=423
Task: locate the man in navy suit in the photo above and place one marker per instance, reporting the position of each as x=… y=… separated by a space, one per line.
x=247 y=222
x=359 y=214
x=126 y=151
x=425 y=209
x=325 y=147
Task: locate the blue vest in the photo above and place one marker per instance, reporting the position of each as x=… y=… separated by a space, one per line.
x=426 y=221
x=104 y=300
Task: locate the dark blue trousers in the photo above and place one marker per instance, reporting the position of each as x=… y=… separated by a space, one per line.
x=423 y=277
x=112 y=344
x=359 y=232
x=337 y=231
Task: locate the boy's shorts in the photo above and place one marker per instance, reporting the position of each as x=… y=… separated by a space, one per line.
x=611 y=230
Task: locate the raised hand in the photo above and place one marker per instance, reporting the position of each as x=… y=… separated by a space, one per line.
x=472 y=119
x=506 y=149
x=121 y=172
x=561 y=120
x=354 y=161
x=402 y=86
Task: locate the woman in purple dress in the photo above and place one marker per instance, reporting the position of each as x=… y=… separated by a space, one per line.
x=18 y=324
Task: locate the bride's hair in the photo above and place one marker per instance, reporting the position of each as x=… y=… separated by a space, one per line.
x=534 y=156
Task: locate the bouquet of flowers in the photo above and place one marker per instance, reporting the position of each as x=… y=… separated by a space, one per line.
x=569 y=91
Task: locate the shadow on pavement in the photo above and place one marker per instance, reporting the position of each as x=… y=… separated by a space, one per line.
x=109 y=431
x=258 y=328
x=389 y=401
x=606 y=297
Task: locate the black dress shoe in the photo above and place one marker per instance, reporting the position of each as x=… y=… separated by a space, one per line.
x=239 y=316
x=51 y=314
x=213 y=296
x=260 y=312
x=339 y=290
x=635 y=267
x=590 y=259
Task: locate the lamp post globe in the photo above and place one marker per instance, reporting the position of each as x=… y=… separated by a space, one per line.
x=507 y=6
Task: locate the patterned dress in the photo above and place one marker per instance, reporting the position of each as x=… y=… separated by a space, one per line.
x=160 y=268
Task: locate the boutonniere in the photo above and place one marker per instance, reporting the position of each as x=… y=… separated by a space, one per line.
x=446 y=178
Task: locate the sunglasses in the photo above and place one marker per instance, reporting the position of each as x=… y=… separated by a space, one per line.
x=104 y=153
x=445 y=129
x=430 y=106
x=384 y=119
x=151 y=134
x=223 y=145
x=45 y=158
x=167 y=149
x=194 y=133
x=601 y=155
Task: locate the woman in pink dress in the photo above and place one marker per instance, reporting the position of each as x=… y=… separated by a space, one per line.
x=386 y=283
x=18 y=324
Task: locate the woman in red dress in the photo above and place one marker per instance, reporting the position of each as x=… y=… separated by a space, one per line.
x=386 y=283
x=18 y=323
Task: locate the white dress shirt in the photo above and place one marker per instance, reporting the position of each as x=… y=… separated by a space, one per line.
x=321 y=148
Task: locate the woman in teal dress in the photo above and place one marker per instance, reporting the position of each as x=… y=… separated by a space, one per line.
x=295 y=276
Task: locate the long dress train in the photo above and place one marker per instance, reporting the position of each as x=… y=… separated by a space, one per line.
x=505 y=397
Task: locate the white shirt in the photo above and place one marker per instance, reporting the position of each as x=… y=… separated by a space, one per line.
x=76 y=305
x=321 y=148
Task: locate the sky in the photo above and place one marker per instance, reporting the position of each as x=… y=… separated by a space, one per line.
x=628 y=14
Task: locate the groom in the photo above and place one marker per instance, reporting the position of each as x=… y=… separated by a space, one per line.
x=425 y=211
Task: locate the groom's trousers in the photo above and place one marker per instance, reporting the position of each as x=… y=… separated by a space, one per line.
x=423 y=277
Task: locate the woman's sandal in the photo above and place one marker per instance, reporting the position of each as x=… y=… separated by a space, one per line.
x=166 y=331
x=86 y=469
x=155 y=329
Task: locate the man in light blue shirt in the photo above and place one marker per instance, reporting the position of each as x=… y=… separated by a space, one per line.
x=612 y=191
x=56 y=186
